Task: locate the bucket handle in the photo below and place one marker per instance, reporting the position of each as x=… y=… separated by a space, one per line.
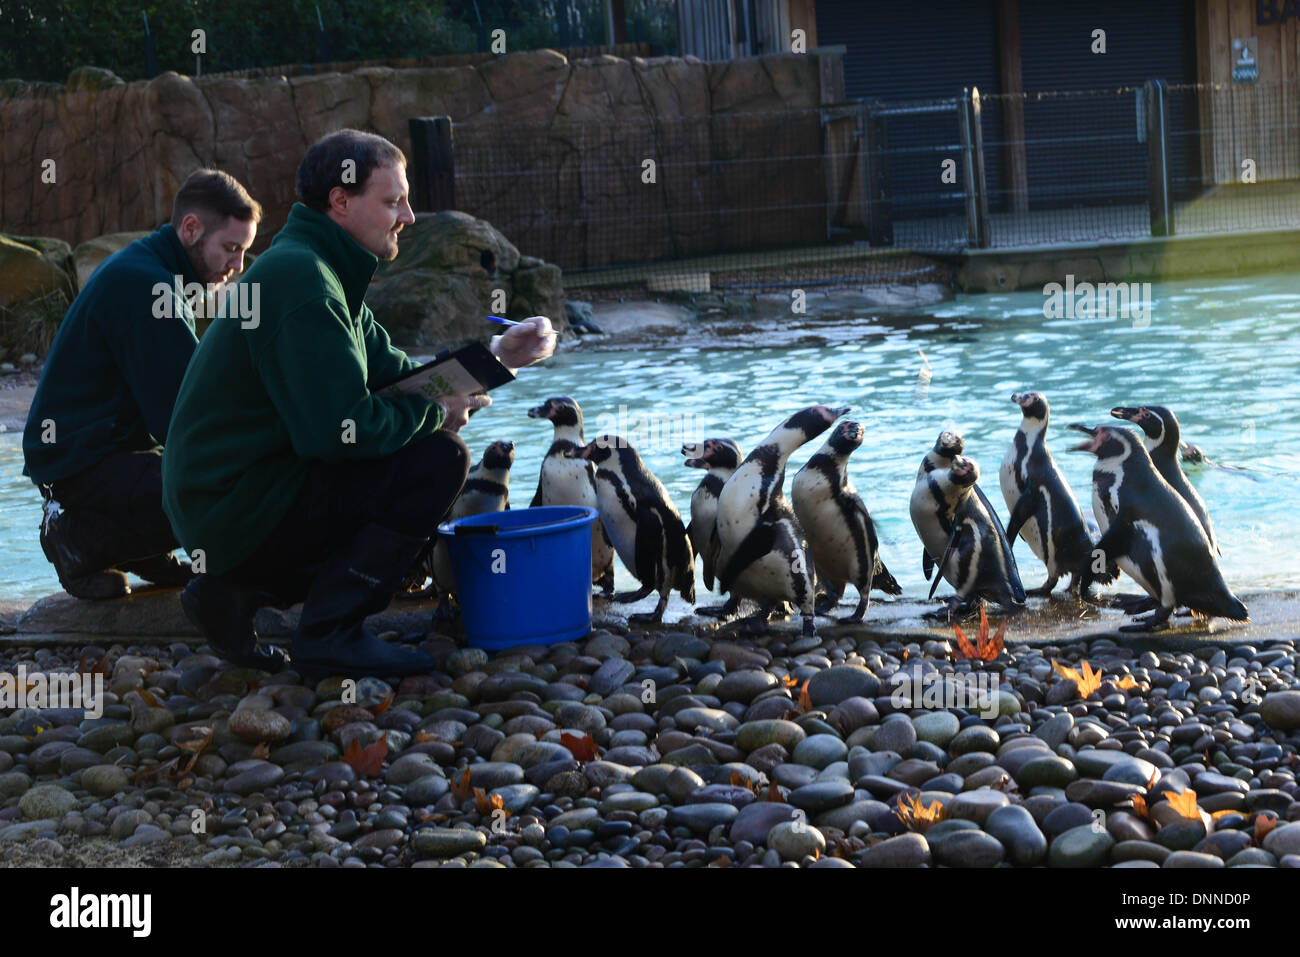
x=477 y=529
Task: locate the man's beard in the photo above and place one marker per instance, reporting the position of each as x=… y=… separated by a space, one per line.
x=207 y=273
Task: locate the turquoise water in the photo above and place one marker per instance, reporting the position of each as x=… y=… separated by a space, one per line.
x=1221 y=354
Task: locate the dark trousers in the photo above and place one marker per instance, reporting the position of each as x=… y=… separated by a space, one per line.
x=408 y=492
x=115 y=510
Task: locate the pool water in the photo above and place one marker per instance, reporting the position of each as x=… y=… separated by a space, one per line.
x=1222 y=354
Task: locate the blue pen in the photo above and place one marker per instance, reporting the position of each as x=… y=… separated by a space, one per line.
x=504 y=322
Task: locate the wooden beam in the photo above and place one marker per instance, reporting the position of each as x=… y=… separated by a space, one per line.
x=1016 y=169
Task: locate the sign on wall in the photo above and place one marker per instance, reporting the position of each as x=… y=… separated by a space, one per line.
x=1245 y=61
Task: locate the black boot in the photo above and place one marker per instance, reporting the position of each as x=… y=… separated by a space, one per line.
x=166 y=570
x=332 y=639
x=224 y=612
x=79 y=573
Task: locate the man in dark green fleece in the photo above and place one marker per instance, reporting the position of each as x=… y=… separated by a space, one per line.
x=285 y=474
x=105 y=398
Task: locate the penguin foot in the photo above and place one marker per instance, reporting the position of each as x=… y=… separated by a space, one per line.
x=809 y=627
x=825 y=606
x=725 y=610
x=859 y=613
x=627 y=597
x=445 y=611
x=1134 y=604
x=655 y=616
x=1158 y=621
x=1045 y=591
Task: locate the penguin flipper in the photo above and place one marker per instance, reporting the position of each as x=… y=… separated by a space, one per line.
x=651 y=546
x=927 y=564
x=1029 y=505
x=711 y=558
x=1116 y=543
x=752 y=548
x=952 y=541
x=537 y=498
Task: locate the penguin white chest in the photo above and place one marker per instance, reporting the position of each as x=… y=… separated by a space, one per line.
x=738 y=505
x=566 y=481
x=618 y=521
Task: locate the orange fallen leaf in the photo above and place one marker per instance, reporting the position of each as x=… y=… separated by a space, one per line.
x=261 y=752
x=383 y=705
x=789 y=681
x=1215 y=815
x=582 y=748
x=985 y=648
x=1125 y=683
x=916 y=815
x=740 y=781
x=368 y=761
x=907 y=653
x=460 y=788
x=1087 y=680
x=774 y=793
x=1263 y=824
x=1184 y=804
x=149 y=699
x=424 y=736
x=805 y=703
x=486 y=804
x=198 y=744
x=1140 y=807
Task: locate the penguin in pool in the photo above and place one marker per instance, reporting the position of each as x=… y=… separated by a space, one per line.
x=643 y=524
x=1151 y=531
x=1043 y=510
x=841 y=534
x=486 y=489
x=974 y=556
x=758 y=546
x=721 y=457
x=931 y=514
x=567 y=480
x=1162 y=439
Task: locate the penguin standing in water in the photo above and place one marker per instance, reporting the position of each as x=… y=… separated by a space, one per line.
x=1151 y=531
x=568 y=480
x=974 y=558
x=1161 y=431
x=841 y=535
x=486 y=489
x=1043 y=509
x=932 y=516
x=646 y=529
x=721 y=457
x=758 y=546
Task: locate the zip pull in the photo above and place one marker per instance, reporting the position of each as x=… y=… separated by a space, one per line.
x=52 y=510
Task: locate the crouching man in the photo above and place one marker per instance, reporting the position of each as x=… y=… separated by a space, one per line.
x=285 y=473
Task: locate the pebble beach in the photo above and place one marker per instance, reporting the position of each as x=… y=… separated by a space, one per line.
x=667 y=749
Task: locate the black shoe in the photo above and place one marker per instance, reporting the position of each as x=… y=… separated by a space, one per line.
x=224 y=614
x=332 y=639
x=77 y=573
x=97 y=586
x=166 y=570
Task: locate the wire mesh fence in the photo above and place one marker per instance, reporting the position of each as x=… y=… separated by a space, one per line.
x=871 y=192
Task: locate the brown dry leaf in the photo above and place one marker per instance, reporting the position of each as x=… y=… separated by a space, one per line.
x=916 y=815
x=486 y=804
x=197 y=746
x=805 y=703
x=1087 y=681
x=739 y=780
x=368 y=762
x=1125 y=683
x=149 y=699
x=774 y=793
x=789 y=681
x=582 y=748
x=1215 y=815
x=460 y=788
x=383 y=705
x=1263 y=824
x=1151 y=781
x=1140 y=807
x=1184 y=804
x=261 y=752
x=424 y=736
x=907 y=652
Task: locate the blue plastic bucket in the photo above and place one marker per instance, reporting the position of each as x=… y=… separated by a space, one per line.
x=523 y=576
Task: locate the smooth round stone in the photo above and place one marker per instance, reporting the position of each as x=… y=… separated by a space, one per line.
x=1055 y=730
x=702 y=818
x=1048 y=771
x=1083 y=846
x=1134 y=771
x=895 y=734
x=426 y=790
x=258 y=776
x=1252 y=857
x=1182 y=835
x=448 y=842
x=13 y=783
x=674 y=645
x=1139 y=851
x=1095 y=762
x=948 y=783
x=152 y=721
x=516 y=798
x=107 y=736
x=1192 y=859
x=539 y=752
x=819 y=750
x=1065 y=817
x=258 y=725
x=1009 y=704
x=821 y=796
x=754 y=821
x=312 y=753
x=1283 y=840
x=969 y=849
x=732 y=794
x=1281 y=710
x=976 y=738
x=46 y=801
x=1102 y=793
x=410 y=767
x=681 y=783
x=714 y=719
x=495 y=774
x=794 y=840
x=105 y=779
x=1019 y=834
x=1208 y=783
x=970 y=762
x=830 y=686
x=843 y=818
x=610 y=676
x=905 y=850
x=753 y=735
x=628 y=801
x=937 y=728
x=745 y=686
x=577 y=818
x=976 y=805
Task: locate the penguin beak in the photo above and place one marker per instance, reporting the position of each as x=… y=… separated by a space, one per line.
x=1127 y=413
x=1090 y=446
x=1015 y=397
x=538 y=412
x=582 y=453
x=697 y=464
x=845 y=410
x=691 y=448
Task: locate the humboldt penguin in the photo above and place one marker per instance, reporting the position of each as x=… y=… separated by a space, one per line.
x=721 y=457
x=645 y=527
x=566 y=479
x=974 y=556
x=758 y=547
x=1043 y=510
x=841 y=534
x=1162 y=438
x=486 y=489
x=1151 y=531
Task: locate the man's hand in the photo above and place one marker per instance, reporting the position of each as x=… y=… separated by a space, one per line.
x=458 y=408
x=531 y=341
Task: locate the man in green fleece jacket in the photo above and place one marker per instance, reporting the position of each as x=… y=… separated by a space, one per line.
x=285 y=474
x=105 y=397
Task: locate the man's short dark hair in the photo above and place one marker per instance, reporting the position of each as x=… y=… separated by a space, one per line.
x=213 y=196
x=324 y=165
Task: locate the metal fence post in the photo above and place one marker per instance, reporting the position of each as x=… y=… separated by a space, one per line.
x=433 y=183
x=978 y=231
x=880 y=219
x=1162 y=222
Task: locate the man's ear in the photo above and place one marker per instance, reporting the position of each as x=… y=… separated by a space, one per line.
x=191 y=230
x=339 y=200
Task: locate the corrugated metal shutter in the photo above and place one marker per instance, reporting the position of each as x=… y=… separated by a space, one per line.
x=906 y=51
x=1085 y=148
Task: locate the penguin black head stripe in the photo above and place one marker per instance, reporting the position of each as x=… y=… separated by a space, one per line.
x=1157 y=422
x=814 y=420
x=601 y=449
x=561 y=410
x=499 y=455
x=1107 y=443
x=847 y=437
x=1032 y=404
x=964 y=472
x=949 y=444
x=712 y=453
